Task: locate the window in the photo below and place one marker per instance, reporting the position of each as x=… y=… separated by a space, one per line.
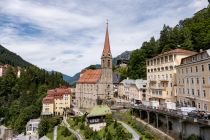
x=166 y=58
x=192 y=80
x=170 y=75
x=183 y=90
x=108 y=63
x=197 y=80
x=188 y=91
x=186 y=70
x=199 y=105
x=198 y=93
x=202 y=67
x=209 y=80
x=191 y=69
x=196 y=68
x=209 y=67
x=193 y=92
x=205 y=107
x=187 y=80
x=203 y=80
x=204 y=93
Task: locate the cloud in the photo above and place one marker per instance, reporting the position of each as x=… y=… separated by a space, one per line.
x=67 y=36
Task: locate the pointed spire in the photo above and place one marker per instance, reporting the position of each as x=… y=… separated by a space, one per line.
x=106 y=50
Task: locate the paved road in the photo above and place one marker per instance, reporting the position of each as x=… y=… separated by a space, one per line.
x=133 y=132
x=55 y=133
x=77 y=134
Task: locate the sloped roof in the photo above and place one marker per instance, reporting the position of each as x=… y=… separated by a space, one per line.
x=100 y=110
x=106 y=50
x=90 y=76
x=180 y=51
x=44 y=138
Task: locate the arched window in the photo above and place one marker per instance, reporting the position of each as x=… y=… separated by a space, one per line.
x=108 y=63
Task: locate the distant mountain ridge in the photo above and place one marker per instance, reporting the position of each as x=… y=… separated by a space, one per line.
x=72 y=79
x=8 y=57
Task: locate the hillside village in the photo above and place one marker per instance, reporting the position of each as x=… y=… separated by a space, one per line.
x=162 y=91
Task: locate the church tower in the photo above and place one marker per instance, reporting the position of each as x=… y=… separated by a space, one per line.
x=106 y=68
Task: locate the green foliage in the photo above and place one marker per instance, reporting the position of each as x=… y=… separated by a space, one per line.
x=21 y=98
x=109 y=120
x=47 y=125
x=191 y=34
x=193 y=137
x=8 y=57
x=65 y=132
x=43 y=127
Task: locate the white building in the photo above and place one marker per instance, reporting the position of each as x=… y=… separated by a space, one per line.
x=32 y=127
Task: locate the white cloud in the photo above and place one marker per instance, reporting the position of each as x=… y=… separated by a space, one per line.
x=77 y=27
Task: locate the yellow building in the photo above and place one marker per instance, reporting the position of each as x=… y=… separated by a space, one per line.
x=161 y=74
x=56 y=101
x=193 y=81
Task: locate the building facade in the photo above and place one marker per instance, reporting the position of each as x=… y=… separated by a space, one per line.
x=132 y=90
x=32 y=128
x=56 y=101
x=193 y=81
x=161 y=74
x=96 y=86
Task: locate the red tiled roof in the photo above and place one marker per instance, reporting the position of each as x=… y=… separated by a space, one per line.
x=106 y=50
x=56 y=94
x=90 y=76
x=48 y=100
x=180 y=51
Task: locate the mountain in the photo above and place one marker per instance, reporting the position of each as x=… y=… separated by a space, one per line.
x=72 y=79
x=8 y=57
x=190 y=34
x=123 y=56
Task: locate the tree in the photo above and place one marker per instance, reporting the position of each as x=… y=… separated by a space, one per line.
x=43 y=127
x=65 y=132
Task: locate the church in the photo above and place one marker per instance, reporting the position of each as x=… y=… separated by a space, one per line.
x=95 y=87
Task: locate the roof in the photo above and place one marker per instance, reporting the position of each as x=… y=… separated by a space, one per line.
x=106 y=50
x=138 y=83
x=44 y=138
x=56 y=93
x=176 y=51
x=100 y=111
x=90 y=76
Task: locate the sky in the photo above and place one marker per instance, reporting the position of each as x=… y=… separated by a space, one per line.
x=68 y=35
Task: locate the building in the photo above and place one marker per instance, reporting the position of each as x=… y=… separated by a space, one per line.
x=193 y=81
x=96 y=118
x=95 y=86
x=116 y=81
x=132 y=90
x=3 y=69
x=32 y=128
x=5 y=133
x=56 y=101
x=161 y=74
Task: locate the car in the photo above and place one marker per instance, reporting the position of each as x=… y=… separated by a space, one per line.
x=193 y=114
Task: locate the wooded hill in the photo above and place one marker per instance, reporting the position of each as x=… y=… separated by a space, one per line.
x=191 y=34
x=8 y=57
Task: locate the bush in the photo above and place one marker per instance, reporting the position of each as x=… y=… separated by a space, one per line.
x=72 y=137
x=193 y=137
x=148 y=135
x=65 y=132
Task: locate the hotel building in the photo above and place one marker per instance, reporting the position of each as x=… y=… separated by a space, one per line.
x=193 y=81
x=161 y=74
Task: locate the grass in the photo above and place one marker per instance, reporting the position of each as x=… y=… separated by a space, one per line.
x=112 y=129
x=50 y=135
x=60 y=136
x=141 y=130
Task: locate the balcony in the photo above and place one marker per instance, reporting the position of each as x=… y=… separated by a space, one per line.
x=163 y=79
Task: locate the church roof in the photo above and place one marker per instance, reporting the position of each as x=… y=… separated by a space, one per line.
x=90 y=76
x=106 y=51
x=100 y=110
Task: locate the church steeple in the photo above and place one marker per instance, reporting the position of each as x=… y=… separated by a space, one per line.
x=106 y=58
x=106 y=50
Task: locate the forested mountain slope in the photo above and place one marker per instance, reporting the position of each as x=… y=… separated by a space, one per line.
x=191 y=34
